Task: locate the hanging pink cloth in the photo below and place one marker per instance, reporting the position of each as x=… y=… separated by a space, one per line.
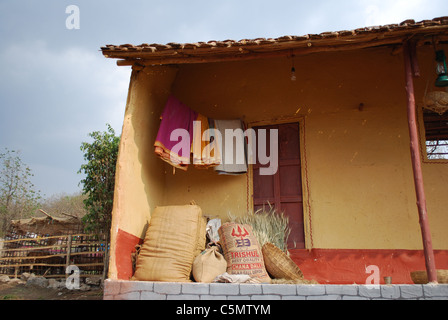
x=176 y=115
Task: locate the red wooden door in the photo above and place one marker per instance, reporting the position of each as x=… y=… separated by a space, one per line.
x=283 y=190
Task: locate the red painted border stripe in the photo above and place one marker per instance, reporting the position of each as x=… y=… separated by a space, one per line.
x=326 y=266
x=348 y=266
x=125 y=246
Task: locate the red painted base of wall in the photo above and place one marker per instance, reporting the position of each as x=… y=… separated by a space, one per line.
x=125 y=246
x=326 y=266
x=348 y=266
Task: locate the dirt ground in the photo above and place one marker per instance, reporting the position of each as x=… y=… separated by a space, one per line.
x=13 y=291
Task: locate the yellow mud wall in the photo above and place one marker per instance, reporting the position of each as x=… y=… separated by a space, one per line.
x=435 y=172
x=139 y=183
x=356 y=167
x=358 y=183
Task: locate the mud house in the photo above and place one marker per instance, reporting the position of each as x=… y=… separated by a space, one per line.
x=346 y=177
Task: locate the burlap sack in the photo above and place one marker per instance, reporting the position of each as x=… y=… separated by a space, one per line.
x=208 y=265
x=242 y=251
x=175 y=236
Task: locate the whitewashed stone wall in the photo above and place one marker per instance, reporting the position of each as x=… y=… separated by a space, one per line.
x=143 y=290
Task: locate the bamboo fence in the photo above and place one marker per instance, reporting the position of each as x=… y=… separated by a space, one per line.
x=50 y=256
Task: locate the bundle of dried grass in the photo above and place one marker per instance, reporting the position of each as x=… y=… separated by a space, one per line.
x=297 y=281
x=436 y=101
x=268 y=226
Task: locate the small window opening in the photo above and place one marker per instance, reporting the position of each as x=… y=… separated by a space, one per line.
x=436 y=134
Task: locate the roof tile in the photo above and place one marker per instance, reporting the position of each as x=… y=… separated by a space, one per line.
x=280 y=43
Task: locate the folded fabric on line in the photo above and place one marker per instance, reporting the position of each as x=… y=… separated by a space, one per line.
x=213 y=149
x=205 y=153
x=233 y=147
x=176 y=115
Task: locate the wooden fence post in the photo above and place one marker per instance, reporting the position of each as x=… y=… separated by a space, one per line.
x=68 y=251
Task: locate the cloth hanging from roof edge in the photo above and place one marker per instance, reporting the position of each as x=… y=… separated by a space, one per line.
x=205 y=153
x=175 y=115
x=205 y=150
x=237 y=163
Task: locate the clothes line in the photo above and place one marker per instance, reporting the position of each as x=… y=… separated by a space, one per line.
x=187 y=137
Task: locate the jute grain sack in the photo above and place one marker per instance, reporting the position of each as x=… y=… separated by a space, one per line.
x=242 y=251
x=208 y=265
x=175 y=236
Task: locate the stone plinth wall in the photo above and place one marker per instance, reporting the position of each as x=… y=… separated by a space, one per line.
x=143 y=290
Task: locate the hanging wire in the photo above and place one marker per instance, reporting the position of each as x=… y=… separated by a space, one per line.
x=293 y=69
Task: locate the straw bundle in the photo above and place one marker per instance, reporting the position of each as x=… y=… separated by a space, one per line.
x=268 y=226
x=436 y=101
x=421 y=277
x=298 y=281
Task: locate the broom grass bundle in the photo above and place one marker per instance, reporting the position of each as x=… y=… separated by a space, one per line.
x=268 y=226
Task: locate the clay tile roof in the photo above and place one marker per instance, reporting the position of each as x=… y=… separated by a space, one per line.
x=213 y=50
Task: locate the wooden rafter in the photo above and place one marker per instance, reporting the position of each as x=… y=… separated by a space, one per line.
x=248 y=49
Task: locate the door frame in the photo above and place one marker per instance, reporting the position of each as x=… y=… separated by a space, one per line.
x=306 y=197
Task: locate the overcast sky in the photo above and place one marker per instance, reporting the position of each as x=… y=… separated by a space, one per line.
x=56 y=86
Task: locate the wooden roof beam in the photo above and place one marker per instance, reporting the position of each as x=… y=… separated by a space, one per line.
x=130 y=58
